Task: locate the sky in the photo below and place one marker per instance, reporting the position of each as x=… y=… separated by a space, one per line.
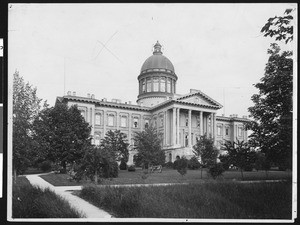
x=99 y=48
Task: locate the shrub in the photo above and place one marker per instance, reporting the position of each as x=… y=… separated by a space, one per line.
x=182 y=166
x=131 y=168
x=46 y=166
x=169 y=165
x=112 y=170
x=225 y=161
x=123 y=165
x=216 y=170
x=248 y=167
x=193 y=163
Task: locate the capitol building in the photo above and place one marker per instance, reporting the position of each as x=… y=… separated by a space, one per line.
x=181 y=118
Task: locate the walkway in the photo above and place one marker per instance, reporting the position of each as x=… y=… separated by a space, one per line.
x=89 y=210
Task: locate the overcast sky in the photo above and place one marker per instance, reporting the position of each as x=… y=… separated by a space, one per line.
x=216 y=48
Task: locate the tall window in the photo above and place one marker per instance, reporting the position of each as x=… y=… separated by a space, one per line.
x=123 y=121
x=82 y=113
x=161 y=121
x=143 y=86
x=110 y=121
x=162 y=84
x=148 y=84
x=135 y=122
x=219 y=130
x=168 y=85
x=155 y=84
x=97 y=119
x=186 y=121
x=240 y=129
x=173 y=87
x=198 y=121
x=227 y=131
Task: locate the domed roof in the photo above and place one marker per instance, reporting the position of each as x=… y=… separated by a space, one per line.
x=157 y=60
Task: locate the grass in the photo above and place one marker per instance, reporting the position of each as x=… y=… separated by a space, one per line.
x=33 y=202
x=217 y=200
x=169 y=176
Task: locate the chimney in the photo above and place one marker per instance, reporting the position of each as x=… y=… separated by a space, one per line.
x=245 y=117
x=88 y=95
x=93 y=96
x=74 y=93
x=129 y=102
x=104 y=99
x=69 y=93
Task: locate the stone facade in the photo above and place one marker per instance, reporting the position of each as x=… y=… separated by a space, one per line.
x=180 y=118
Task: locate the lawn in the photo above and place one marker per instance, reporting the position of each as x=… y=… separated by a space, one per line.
x=210 y=200
x=169 y=176
x=33 y=202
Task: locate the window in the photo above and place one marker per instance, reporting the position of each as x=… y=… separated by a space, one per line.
x=110 y=121
x=135 y=122
x=143 y=86
x=123 y=121
x=173 y=86
x=161 y=121
x=162 y=84
x=186 y=122
x=227 y=131
x=240 y=131
x=219 y=130
x=146 y=123
x=97 y=119
x=148 y=84
x=82 y=113
x=155 y=84
x=168 y=85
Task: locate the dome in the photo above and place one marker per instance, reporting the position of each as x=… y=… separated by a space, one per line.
x=157 y=61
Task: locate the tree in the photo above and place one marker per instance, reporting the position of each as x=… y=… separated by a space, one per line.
x=240 y=154
x=148 y=146
x=205 y=149
x=280 y=27
x=97 y=162
x=26 y=106
x=116 y=142
x=182 y=164
x=272 y=110
x=63 y=134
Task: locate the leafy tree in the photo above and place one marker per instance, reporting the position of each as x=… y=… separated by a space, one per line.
x=205 y=149
x=272 y=110
x=26 y=106
x=116 y=142
x=280 y=27
x=262 y=163
x=182 y=164
x=240 y=154
x=148 y=146
x=98 y=162
x=193 y=163
x=216 y=170
x=63 y=134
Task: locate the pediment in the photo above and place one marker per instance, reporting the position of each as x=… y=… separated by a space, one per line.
x=199 y=98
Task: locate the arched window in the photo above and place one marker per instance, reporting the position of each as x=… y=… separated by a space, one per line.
x=162 y=84
x=135 y=122
x=155 y=84
x=97 y=139
x=146 y=123
x=149 y=85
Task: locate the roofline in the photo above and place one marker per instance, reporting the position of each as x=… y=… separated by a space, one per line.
x=202 y=94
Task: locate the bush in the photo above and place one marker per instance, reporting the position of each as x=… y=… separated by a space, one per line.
x=169 y=165
x=123 y=165
x=113 y=170
x=193 y=163
x=225 y=161
x=216 y=170
x=46 y=166
x=182 y=165
x=248 y=167
x=131 y=168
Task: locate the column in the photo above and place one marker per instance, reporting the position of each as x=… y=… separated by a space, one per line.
x=190 y=128
x=165 y=128
x=207 y=126
x=215 y=126
x=211 y=124
x=104 y=122
x=129 y=127
x=178 y=122
x=201 y=122
x=117 y=120
x=174 y=127
x=93 y=120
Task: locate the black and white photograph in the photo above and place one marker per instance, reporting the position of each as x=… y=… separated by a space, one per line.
x=153 y=112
